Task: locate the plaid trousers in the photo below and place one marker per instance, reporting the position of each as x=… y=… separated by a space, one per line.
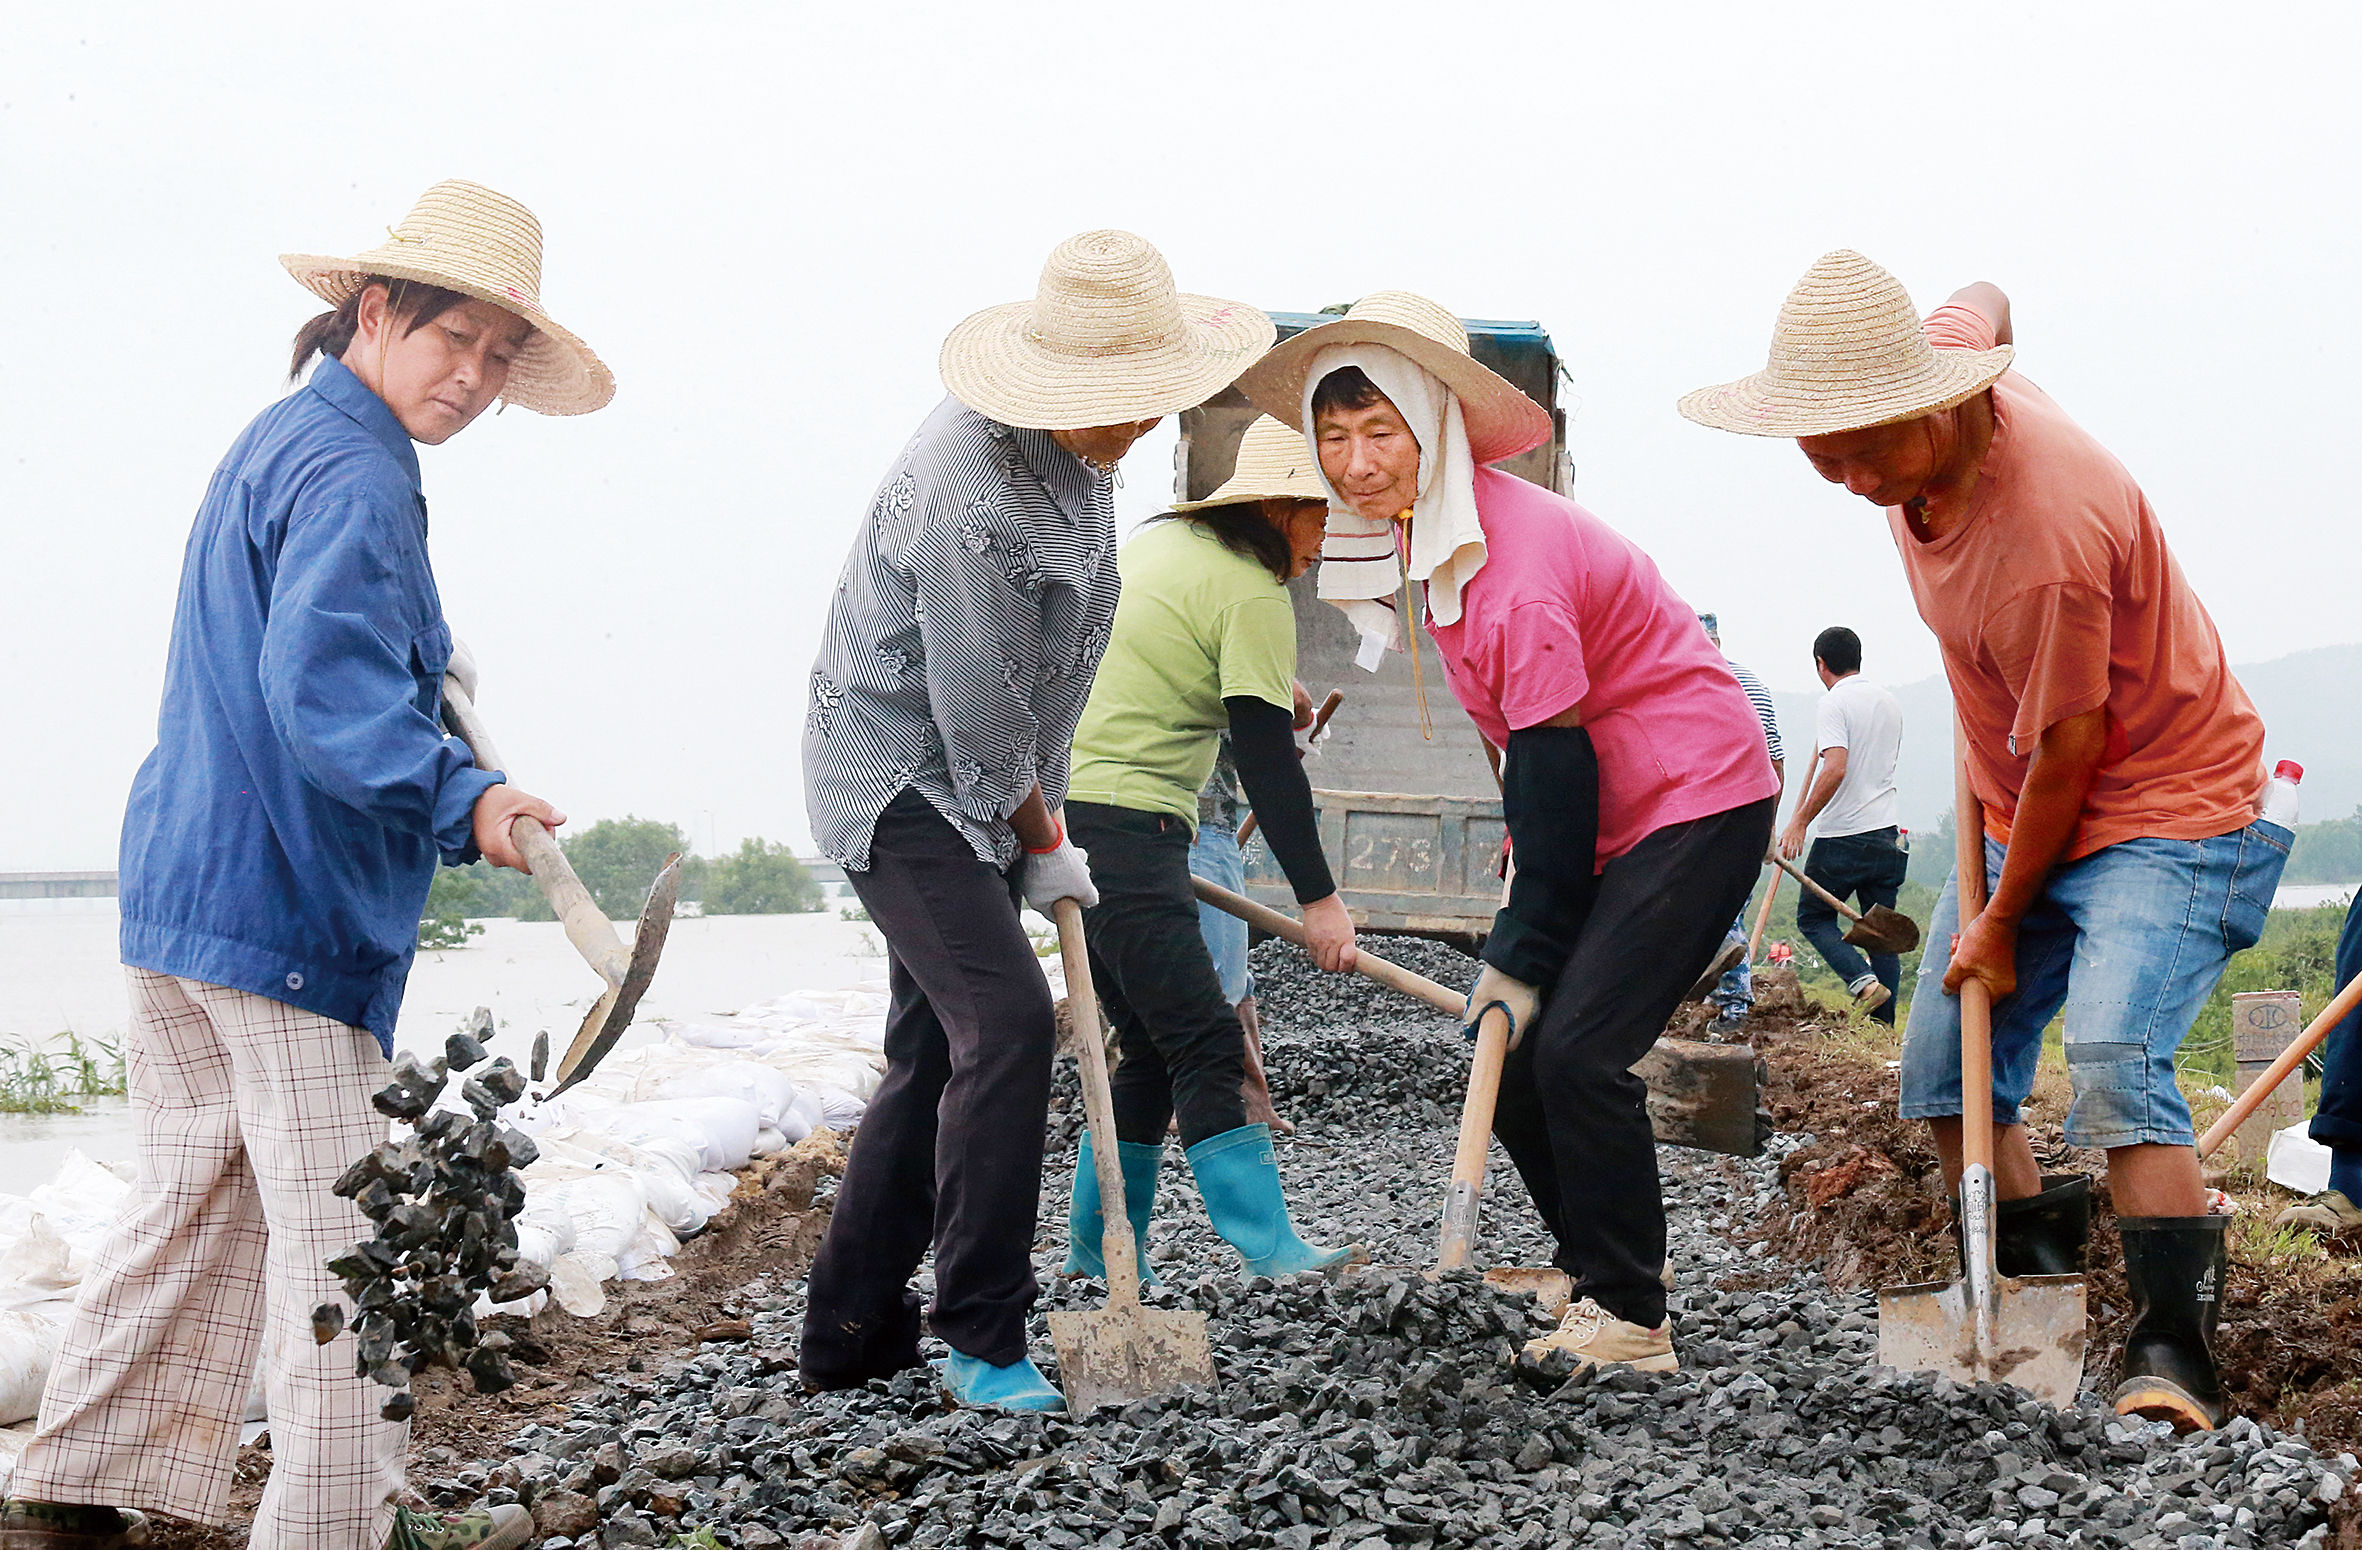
x=246 y=1110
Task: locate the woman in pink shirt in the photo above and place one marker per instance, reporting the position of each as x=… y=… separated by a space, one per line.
x=1636 y=788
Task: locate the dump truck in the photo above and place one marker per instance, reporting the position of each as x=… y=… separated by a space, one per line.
x=1411 y=823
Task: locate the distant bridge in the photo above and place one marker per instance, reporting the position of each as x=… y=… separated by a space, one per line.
x=57 y=885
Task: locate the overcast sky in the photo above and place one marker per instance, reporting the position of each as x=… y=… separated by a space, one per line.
x=765 y=218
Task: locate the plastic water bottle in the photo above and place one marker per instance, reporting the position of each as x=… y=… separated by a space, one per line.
x=2280 y=793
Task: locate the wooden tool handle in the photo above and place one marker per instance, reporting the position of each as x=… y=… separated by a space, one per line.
x=1771 y=891
x=1825 y=896
x=1976 y=998
x=1391 y=975
x=1090 y=1055
x=1463 y=1204
x=587 y=926
x=2341 y=1006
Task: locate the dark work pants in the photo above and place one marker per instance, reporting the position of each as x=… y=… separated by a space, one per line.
x=949 y=1152
x=1183 y=1047
x=2338 y=1122
x=1865 y=869
x=1572 y=1116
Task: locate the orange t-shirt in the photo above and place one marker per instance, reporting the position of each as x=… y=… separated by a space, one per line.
x=2057 y=595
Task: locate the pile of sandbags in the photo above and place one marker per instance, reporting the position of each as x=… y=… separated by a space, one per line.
x=46 y=1241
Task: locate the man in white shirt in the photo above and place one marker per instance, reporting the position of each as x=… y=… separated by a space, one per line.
x=1850 y=811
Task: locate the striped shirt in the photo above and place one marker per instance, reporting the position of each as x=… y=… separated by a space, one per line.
x=963 y=636
x=1760 y=697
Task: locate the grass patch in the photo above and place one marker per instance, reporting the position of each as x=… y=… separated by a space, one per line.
x=48 y=1078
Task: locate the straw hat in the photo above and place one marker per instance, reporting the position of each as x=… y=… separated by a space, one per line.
x=1106 y=340
x=1274 y=464
x=1847 y=353
x=1502 y=422
x=466 y=238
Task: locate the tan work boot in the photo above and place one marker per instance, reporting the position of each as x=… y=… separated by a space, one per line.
x=2330 y=1212
x=68 y=1526
x=486 y=1528
x=1597 y=1338
x=1868 y=994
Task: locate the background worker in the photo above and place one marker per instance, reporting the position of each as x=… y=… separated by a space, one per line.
x=277 y=851
x=1204 y=641
x=1216 y=856
x=2118 y=762
x=1634 y=782
x=1733 y=996
x=1851 y=811
x=959 y=650
x=2337 y=1121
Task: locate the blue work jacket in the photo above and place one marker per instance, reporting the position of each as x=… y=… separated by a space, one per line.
x=282 y=836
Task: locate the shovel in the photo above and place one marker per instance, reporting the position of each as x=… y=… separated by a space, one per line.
x=626 y=973
x=1125 y=1351
x=1881 y=931
x=1985 y=1327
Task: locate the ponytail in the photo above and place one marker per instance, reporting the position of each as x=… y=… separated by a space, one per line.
x=410 y=302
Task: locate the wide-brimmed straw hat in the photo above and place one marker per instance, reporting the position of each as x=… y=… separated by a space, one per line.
x=1274 y=464
x=1502 y=422
x=1847 y=353
x=465 y=237
x=1106 y=340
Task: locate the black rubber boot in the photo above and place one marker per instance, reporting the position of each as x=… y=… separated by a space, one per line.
x=2041 y=1235
x=2175 y=1266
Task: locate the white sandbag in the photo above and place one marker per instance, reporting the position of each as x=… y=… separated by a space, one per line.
x=38 y=1268
x=577 y=1282
x=605 y=1209
x=723 y=1129
x=715 y=1189
x=839 y=1109
x=81 y=1203
x=808 y=1114
x=2296 y=1161
x=28 y=1344
x=767 y=1088
x=769 y=1142
x=647 y=1256
x=12 y=1445
x=666 y=1166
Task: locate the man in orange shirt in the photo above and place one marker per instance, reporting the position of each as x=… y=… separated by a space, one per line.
x=2118 y=762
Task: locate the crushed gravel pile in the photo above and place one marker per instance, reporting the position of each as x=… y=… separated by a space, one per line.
x=1388 y=1410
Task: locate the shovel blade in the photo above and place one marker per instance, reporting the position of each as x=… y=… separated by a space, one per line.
x=1705 y=1096
x=1113 y=1356
x=1724 y=962
x=1548 y=1285
x=2038 y=1333
x=613 y=1013
x=1884 y=930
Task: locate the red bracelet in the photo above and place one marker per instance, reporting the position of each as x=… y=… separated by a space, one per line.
x=1054 y=844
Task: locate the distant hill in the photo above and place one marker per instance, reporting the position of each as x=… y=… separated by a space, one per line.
x=2311 y=704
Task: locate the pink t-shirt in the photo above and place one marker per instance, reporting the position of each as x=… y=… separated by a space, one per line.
x=1570 y=614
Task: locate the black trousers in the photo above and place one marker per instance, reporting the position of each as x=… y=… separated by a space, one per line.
x=949 y=1152
x=1572 y=1116
x=1183 y=1047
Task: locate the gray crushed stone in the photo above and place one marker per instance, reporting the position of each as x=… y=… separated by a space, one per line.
x=1389 y=1410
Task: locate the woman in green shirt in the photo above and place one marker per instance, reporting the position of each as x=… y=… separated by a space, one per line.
x=1204 y=641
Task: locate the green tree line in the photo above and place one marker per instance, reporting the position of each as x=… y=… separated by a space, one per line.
x=617 y=860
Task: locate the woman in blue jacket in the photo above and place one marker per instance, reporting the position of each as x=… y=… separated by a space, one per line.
x=277 y=851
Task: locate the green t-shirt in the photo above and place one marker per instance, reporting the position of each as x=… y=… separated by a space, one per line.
x=1197 y=624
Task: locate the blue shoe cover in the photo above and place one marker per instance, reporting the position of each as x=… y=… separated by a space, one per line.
x=1238 y=1175
x=1141 y=1162
x=1018 y=1386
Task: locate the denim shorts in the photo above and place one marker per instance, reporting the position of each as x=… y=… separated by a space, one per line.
x=2130 y=940
x=1214 y=855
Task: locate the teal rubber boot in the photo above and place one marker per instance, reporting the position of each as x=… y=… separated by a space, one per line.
x=1018 y=1386
x=1141 y=1163
x=1239 y=1177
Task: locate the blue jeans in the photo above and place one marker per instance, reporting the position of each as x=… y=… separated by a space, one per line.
x=2338 y=1122
x=1214 y=855
x=2131 y=940
x=1869 y=869
x=1734 y=993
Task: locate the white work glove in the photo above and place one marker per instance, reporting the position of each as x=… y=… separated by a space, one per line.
x=1494 y=989
x=1061 y=872
x=461 y=669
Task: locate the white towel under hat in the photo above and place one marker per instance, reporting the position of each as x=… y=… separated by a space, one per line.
x=1361 y=569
